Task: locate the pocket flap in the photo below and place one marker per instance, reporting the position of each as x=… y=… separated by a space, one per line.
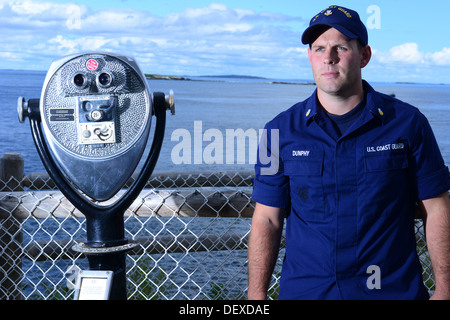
x=386 y=162
x=303 y=167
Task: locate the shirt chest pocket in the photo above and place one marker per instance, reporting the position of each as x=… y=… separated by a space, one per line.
x=385 y=181
x=305 y=172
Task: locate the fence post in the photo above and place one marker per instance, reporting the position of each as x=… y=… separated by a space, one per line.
x=11 y=236
x=11 y=172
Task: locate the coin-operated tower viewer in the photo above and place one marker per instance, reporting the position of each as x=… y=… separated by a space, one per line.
x=91 y=127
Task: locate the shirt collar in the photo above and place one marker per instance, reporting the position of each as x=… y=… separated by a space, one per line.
x=375 y=103
x=313 y=109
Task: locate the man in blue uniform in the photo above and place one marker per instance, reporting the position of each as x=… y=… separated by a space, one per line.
x=352 y=165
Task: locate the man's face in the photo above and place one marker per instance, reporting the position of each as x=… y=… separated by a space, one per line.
x=336 y=63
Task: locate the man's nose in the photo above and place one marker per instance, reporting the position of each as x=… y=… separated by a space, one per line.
x=330 y=57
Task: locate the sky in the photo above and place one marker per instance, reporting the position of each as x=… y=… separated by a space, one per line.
x=409 y=38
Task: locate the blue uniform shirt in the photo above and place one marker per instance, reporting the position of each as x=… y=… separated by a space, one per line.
x=350 y=198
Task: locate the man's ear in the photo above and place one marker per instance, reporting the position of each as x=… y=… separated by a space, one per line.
x=366 y=54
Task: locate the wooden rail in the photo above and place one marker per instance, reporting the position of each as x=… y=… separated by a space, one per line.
x=161 y=244
x=210 y=202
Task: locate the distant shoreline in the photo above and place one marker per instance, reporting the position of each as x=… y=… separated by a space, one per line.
x=219 y=77
x=163 y=77
x=180 y=78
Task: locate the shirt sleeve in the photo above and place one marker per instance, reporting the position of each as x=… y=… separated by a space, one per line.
x=270 y=186
x=431 y=174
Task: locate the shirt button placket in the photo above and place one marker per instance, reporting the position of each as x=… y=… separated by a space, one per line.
x=346 y=211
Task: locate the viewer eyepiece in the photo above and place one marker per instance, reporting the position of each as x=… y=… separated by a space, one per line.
x=104 y=79
x=79 y=80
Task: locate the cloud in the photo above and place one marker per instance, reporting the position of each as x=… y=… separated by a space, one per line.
x=410 y=54
x=26 y=14
x=407 y=53
x=441 y=58
x=407 y=62
x=211 y=40
x=214 y=39
x=80 y=44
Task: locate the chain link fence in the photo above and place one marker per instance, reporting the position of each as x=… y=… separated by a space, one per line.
x=192 y=231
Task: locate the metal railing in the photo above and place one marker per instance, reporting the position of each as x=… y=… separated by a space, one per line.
x=192 y=231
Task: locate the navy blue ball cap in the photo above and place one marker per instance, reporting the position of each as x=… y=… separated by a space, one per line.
x=344 y=20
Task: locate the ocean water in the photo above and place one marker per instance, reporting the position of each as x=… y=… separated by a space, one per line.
x=213 y=103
